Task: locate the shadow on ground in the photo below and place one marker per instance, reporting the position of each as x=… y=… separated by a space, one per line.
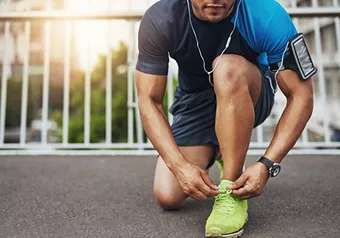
x=112 y=197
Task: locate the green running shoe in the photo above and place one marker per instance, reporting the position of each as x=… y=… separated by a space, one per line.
x=229 y=214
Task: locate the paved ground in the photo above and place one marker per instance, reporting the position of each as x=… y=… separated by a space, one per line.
x=112 y=197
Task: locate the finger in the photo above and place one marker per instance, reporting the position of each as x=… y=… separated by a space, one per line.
x=195 y=193
x=208 y=180
x=242 y=193
x=239 y=182
x=214 y=192
x=204 y=189
x=245 y=197
x=246 y=192
x=198 y=195
x=207 y=191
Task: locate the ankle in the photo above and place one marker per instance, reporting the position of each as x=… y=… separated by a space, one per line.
x=231 y=177
x=232 y=171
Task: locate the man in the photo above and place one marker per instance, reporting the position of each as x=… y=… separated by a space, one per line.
x=228 y=52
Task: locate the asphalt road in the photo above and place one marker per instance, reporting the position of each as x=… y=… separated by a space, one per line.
x=112 y=197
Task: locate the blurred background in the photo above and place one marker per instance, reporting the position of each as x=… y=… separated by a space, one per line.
x=67 y=83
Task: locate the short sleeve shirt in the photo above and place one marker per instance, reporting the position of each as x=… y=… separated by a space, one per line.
x=263 y=29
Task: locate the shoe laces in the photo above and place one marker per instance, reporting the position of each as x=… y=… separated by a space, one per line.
x=225 y=202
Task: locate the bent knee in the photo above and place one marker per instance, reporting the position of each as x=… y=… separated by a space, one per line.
x=230 y=75
x=168 y=200
x=232 y=64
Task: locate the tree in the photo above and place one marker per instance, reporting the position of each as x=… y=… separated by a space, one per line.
x=13 y=105
x=98 y=100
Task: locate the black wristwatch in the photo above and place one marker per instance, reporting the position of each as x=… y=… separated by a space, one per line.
x=274 y=168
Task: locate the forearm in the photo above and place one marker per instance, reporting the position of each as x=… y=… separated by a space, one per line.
x=291 y=124
x=158 y=130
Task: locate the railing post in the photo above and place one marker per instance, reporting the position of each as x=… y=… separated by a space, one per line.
x=46 y=79
x=109 y=87
x=67 y=65
x=135 y=129
x=24 y=96
x=87 y=101
x=321 y=74
x=4 y=77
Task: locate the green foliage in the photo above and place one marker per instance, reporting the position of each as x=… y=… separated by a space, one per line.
x=98 y=100
x=13 y=108
x=77 y=97
x=119 y=108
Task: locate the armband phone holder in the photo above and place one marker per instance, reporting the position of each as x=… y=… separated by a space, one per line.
x=298 y=59
x=298 y=49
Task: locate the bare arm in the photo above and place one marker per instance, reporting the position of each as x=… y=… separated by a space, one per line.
x=153 y=59
x=193 y=180
x=293 y=120
x=150 y=91
x=297 y=112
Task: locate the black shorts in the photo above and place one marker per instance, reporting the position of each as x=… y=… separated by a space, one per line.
x=194 y=113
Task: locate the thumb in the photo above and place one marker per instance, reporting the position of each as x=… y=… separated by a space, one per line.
x=208 y=181
x=239 y=182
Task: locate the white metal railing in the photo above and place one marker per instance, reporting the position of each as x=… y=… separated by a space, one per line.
x=136 y=143
x=104 y=15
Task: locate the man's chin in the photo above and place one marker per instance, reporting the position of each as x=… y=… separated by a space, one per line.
x=214 y=19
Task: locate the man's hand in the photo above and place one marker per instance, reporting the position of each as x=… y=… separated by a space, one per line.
x=195 y=182
x=251 y=182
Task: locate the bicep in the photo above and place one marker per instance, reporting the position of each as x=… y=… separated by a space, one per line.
x=276 y=42
x=291 y=85
x=150 y=86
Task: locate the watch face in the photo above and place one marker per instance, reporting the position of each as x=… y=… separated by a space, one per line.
x=275 y=170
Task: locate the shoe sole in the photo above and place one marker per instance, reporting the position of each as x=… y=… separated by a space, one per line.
x=230 y=235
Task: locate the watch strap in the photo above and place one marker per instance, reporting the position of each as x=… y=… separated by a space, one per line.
x=268 y=163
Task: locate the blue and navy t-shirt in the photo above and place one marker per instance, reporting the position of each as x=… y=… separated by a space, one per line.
x=263 y=29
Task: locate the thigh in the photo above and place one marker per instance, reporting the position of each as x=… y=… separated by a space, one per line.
x=166 y=186
x=194 y=119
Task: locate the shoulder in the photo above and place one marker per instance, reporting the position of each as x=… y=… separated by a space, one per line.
x=266 y=24
x=265 y=13
x=161 y=21
x=261 y=5
x=163 y=12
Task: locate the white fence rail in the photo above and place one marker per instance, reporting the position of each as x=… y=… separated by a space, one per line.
x=319 y=137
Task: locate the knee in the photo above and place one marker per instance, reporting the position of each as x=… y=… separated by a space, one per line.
x=229 y=75
x=167 y=200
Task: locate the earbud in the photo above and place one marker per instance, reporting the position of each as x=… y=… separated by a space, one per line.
x=228 y=42
x=226 y=46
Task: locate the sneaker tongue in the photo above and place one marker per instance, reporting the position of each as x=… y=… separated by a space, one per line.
x=224 y=184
